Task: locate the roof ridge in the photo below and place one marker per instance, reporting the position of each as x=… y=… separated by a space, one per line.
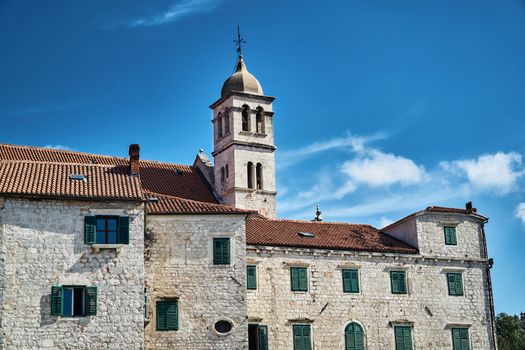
x=314 y=222
x=16 y=161
x=160 y=195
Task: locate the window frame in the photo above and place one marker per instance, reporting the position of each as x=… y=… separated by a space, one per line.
x=461 y=338
x=251 y=284
x=450 y=234
x=348 y=287
x=219 y=259
x=405 y=282
x=166 y=327
x=298 y=286
x=88 y=304
x=302 y=326
x=457 y=289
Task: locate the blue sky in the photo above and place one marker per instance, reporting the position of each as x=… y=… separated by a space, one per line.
x=383 y=107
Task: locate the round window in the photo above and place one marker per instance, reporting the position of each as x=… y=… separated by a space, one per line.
x=223 y=326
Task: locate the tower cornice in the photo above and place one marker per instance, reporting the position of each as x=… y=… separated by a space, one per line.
x=241 y=94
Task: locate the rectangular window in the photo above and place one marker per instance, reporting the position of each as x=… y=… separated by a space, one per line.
x=251 y=277
x=299 y=279
x=399 y=282
x=350 y=281
x=167 y=315
x=146 y=316
x=455 y=283
x=460 y=339
x=221 y=251
x=302 y=339
x=73 y=301
x=403 y=335
x=450 y=235
x=106 y=229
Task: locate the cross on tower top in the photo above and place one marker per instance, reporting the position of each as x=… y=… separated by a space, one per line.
x=239 y=41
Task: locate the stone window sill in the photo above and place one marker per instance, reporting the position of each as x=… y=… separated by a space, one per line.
x=98 y=247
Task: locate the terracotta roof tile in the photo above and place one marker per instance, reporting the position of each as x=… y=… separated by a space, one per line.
x=176 y=205
x=327 y=235
x=53 y=180
x=170 y=179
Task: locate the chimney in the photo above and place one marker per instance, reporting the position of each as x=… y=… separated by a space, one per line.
x=469 y=207
x=134 y=155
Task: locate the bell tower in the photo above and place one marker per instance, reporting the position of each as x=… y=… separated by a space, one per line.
x=244 y=159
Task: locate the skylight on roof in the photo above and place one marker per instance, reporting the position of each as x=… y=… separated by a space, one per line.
x=305 y=234
x=77 y=177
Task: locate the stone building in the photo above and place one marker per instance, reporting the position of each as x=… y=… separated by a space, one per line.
x=102 y=252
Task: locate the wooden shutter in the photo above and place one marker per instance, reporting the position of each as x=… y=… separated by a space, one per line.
x=161 y=317
x=172 y=315
x=91 y=301
x=217 y=251
x=354 y=281
x=465 y=342
x=455 y=284
x=303 y=279
x=459 y=284
x=398 y=281
x=456 y=339
x=90 y=229
x=123 y=230
x=251 y=277
x=359 y=338
x=450 y=235
x=221 y=251
x=346 y=281
x=297 y=337
x=56 y=300
x=307 y=341
x=226 y=251
x=294 y=277
x=350 y=337
x=263 y=337
x=403 y=335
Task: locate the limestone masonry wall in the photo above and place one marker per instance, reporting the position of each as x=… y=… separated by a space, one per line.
x=42 y=245
x=179 y=265
x=427 y=307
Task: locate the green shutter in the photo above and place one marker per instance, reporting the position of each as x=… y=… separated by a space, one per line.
x=221 y=251
x=299 y=279
x=403 y=335
x=354 y=338
x=251 y=277
x=297 y=337
x=56 y=300
x=167 y=315
x=455 y=284
x=303 y=279
x=460 y=339
x=450 y=235
x=307 y=341
x=90 y=229
x=294 y=277
x=350 y=281
x=263 y=337
x=123 y=230
x=398 y=282
x=91 y=301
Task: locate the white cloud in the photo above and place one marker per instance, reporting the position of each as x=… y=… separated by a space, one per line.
x=497 y=172
x=62 y=147
x=377 y=168
x=176 y=11
x=520 y=212
x=383 y=222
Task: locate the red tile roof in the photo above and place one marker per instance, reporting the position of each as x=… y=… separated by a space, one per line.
x=176 y=205
x=169 y=179
x=23 y=178
x=327 y=235
x=436 y=209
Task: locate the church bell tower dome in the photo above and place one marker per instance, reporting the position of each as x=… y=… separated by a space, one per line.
x=241 y=81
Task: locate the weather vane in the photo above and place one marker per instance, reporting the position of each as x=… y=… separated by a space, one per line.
x=239 y=41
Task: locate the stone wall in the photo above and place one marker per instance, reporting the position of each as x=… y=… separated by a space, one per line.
x=427 y=306
x=42 y=244
x=179 y=265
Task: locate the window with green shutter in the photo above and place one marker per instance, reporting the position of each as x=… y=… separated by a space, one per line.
x=403 y=335
x=455 y=283
x=106 y=229
x=221 y=251
x=299 y=279
x=167 y=312
x=262 y=332
x=450 y=235
x=354 y=337
x=251 y=277
x=398 y=282
x=350 y=281
x=302 y=339
x=73 y=301
x=460 y=339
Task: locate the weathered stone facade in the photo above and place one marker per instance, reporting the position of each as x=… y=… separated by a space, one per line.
x=179 y=265
x=42 y=245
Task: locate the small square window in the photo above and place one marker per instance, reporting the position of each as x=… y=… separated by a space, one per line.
x=299 y=279
x=350 y=281
x=398 y=282
x=450 y=235
x=167 y=315
x=221 y=251
x=455 y=283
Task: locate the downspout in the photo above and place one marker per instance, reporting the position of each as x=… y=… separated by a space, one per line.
x=490 y=296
